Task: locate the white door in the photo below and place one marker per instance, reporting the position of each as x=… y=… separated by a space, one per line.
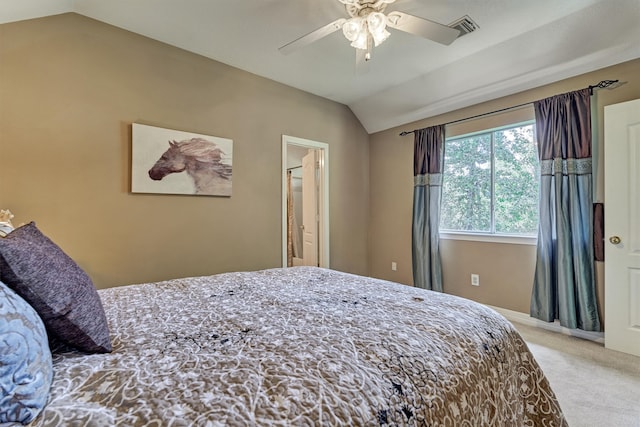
x=622 y=226
x=309 y=210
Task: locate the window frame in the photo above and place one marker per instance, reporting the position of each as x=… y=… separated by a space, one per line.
x=492 y=236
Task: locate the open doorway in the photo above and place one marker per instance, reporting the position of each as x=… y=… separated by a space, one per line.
x=305 y=202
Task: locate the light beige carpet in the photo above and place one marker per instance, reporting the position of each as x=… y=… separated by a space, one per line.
x=596 y=387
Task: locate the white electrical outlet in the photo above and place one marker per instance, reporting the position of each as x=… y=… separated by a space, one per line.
x=394 y=266
x=475 y=280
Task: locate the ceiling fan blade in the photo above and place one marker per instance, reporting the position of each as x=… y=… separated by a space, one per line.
x=422 y=27
x=313 y=36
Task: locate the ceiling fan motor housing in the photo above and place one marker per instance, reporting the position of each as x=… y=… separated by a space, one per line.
x=363 y=8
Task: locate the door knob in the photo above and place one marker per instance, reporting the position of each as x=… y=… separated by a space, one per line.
x=615 y=240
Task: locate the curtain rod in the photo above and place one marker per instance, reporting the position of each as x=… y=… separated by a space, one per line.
x=600 y=85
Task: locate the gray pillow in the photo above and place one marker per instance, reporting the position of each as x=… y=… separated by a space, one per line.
x=56 y=287
x=26 y=369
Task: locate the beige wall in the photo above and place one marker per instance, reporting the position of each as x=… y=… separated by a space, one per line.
x=70 y=87
x=505 y=270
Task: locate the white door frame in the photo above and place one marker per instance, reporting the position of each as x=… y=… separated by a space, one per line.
x=323 y=235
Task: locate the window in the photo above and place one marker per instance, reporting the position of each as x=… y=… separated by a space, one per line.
x=490 y=182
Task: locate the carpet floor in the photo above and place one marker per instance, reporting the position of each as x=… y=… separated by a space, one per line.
x=596 y=387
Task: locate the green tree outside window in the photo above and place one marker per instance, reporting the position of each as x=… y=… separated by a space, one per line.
x=490 y=182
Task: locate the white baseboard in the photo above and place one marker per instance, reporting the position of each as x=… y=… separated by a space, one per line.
x=525 y=319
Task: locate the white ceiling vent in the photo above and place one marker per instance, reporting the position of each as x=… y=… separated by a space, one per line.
x=465 y=25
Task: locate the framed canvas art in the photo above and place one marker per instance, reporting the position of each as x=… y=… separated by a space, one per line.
x=168 y=161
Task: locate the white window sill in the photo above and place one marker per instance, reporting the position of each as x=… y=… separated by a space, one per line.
x=490 y=238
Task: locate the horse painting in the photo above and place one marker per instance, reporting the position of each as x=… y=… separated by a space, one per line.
x=203 y=162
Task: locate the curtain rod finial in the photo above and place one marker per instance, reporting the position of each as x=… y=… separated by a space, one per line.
x=601 y=85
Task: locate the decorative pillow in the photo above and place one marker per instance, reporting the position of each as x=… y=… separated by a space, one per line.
x=26 y=369
x=56 y=287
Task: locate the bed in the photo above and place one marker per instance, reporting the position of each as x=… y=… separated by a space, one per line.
x=300 y=346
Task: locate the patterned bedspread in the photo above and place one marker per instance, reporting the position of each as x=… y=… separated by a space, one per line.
x=299 y=347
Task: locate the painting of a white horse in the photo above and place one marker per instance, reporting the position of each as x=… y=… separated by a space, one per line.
x=176 y=162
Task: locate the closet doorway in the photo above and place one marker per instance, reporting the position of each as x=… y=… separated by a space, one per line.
x=305 y=202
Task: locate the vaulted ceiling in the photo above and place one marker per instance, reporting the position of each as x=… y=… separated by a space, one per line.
x=520 y=44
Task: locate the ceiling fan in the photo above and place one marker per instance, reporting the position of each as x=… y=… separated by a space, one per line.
x=367 y=24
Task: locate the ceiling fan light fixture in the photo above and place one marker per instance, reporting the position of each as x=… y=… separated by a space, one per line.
x=362 y=41
x=377 y=23
x=380 y=36
x=353 y=28
x=358 y=29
